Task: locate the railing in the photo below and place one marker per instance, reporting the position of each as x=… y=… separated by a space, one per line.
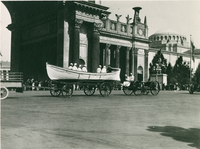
x=117 y=27
x=11 y=76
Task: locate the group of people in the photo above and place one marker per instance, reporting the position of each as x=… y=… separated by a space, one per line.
x=129 y=78
x=84 y=68
x=101 y=70
x=78 y=68
x=34 y=85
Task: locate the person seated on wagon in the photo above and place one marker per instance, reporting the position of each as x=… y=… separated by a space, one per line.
x=104 y=69
x=74 y=67
x=70 y=65
x=131 y=77
x=84 y=69
x=79 y=68
x=109 y=69
x=99 y=69
x=127 y=77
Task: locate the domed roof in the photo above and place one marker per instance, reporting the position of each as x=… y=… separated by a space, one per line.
x=167 y=32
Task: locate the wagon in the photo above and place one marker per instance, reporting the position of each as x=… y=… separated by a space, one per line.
x=10 y=80
x=64 y=80
x=139 y=88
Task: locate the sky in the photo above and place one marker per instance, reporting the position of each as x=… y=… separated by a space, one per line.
x=180 y=15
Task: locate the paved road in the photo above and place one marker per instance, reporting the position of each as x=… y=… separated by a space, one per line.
x=35 y=120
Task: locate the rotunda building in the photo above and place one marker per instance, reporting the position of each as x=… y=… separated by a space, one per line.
x=172 y=45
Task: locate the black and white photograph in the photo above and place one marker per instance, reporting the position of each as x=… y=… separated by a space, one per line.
x=100 y=74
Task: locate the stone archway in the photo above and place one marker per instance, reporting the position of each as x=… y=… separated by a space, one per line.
x=140 y=73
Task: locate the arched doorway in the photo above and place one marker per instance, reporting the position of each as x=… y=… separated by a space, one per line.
x=140 y=73
x=81 y=62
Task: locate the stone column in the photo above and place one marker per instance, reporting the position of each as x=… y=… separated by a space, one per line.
x=107 y=55
x=60 y=38
x=117 y=62
x=146 y=64
x=127 y=61
x=95 y=52
x=15 y=49
x=66 y=40
x=76 y=43
x=134 y=63
x=112 y=61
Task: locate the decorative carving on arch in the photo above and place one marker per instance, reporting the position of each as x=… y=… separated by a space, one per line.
x=78 y=23
x=97 y=26
x=104 y=16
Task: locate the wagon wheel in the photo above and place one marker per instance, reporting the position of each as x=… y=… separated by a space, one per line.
x=4 y=93
x=146 y=90
x=154 y=87
x=105 y=89
x=67 y=90
x=89 y=90
x=55 y=91
x=127 y=90
x=137 y=90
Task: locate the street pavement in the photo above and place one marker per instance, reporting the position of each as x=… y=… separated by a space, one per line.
x=36 y=120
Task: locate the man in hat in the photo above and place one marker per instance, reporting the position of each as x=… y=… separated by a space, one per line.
x=131 y=77
x=79 y=68
x=74 y=67
x=70 y=65
x=84 y=69
x=103 y=70
x=99 y=69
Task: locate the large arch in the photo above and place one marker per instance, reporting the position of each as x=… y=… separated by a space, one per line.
x=5 y=34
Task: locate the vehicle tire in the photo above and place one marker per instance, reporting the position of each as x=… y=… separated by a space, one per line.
x=137 y=90
x=154 y=87
x=191 y=90
x=4 y=93
x=127 y=91
x=54 y=90
x=105 y=89
x=89 y=90
x=67 y=90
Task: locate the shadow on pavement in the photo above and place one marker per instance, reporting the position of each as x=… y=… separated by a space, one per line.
x=195 y=93
x=191 y=135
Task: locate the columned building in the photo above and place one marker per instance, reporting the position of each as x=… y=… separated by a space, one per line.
x=173 y=45
x=61 y=32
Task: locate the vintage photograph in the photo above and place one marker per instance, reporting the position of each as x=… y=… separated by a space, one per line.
x=100 y=74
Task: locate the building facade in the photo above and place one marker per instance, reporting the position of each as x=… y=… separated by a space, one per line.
x=63 y=32
x=78 y=32
x=173 y=45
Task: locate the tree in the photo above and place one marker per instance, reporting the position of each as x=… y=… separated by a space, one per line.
x=169 y=72
x=158 y=59
x=196 y=78
x=181 y=71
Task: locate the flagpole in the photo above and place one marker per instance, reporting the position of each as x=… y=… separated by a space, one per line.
x=190 y=59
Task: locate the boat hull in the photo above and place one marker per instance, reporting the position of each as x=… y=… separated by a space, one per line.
x=60 y=73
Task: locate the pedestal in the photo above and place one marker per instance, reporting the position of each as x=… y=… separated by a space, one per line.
x=161 y=78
